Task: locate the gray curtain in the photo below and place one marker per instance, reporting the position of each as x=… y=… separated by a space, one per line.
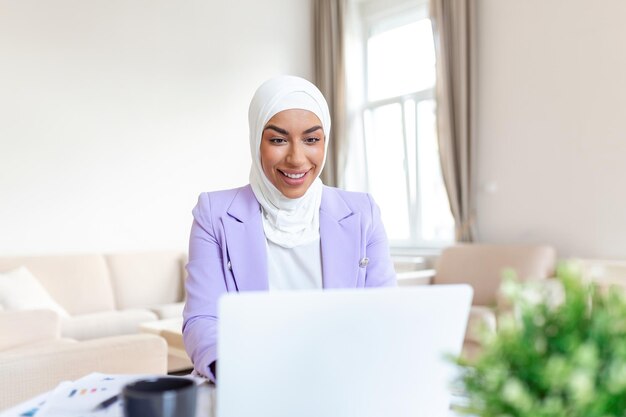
x=329 y=33
x=454 y=45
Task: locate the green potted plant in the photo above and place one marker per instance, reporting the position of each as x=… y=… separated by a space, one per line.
x=555 y=354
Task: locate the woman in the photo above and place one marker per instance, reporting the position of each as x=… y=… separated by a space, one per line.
x=285 y=230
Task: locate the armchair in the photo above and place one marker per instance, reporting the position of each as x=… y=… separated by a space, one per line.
x=481 y=266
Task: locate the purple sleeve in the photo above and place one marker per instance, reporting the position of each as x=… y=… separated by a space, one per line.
x=204 y=285
x=380 y=270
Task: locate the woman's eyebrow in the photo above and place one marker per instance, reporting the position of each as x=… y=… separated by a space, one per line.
x=312 y=129
x=277 y=129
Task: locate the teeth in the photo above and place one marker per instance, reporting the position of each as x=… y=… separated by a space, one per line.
x=294 y=176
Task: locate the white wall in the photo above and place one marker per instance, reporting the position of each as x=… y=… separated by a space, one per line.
x=551 y=124
x=116 y=114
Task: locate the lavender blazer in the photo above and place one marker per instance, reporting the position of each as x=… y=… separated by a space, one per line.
x=227 y=252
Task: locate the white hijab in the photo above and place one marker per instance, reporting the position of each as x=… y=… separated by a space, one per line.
x=287 y=222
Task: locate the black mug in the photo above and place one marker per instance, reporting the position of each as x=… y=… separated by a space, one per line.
x=160 y=397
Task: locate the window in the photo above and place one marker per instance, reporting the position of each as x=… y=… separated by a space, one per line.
x=400 y=148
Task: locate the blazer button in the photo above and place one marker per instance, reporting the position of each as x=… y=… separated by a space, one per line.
x=229 y=266
x=363 y=262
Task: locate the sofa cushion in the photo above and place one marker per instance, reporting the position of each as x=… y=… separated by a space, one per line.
x=104 y=324
x=141 y=280
x=80 y=283
x=20 y=290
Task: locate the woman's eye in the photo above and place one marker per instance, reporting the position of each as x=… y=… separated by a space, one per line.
x=277 y=140
x=312 y=140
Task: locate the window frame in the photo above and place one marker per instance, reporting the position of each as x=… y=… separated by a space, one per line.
x=378 y=17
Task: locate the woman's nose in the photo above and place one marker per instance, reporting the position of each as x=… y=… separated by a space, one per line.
x=296 y=154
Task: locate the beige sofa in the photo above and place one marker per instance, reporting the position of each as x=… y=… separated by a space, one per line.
x=101 y=295
x=34 y=358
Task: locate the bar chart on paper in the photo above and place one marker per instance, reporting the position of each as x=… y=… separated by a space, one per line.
x=77 y=398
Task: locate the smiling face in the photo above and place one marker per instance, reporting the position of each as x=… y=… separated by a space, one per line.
x=292 y=151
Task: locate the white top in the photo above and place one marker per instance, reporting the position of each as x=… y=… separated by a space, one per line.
x=297 y=268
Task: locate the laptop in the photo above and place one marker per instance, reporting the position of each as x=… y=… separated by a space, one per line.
x=340 y=353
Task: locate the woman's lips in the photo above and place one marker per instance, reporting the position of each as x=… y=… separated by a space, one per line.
x=293 y=178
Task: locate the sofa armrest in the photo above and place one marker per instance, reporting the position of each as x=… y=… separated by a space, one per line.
x=25 y=375
x=481 y=319
x=28 y=326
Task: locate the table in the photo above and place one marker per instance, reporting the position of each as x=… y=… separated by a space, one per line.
x=82 y=405
x=206 y=400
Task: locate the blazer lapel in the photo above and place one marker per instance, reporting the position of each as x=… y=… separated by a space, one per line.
x=340 y=241
x=245 y=242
